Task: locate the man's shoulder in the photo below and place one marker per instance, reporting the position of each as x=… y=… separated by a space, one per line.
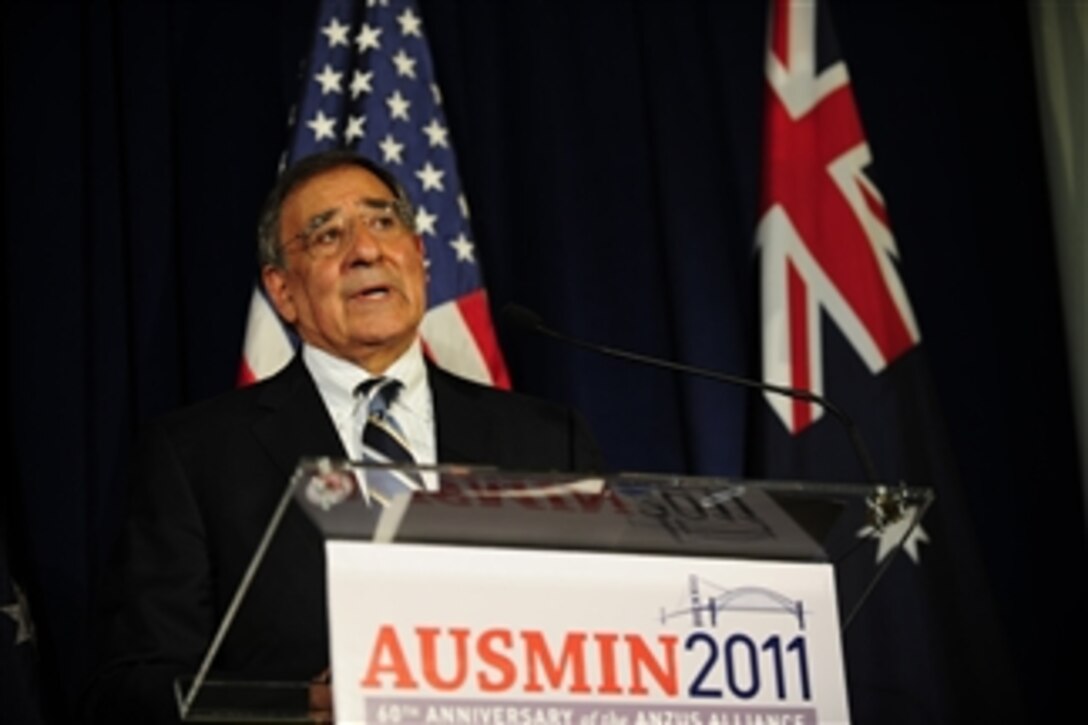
x=229 y=409
x=480 y=424
x=447 y=384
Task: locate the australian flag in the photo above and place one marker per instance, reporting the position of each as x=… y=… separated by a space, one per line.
x=369 y=85
x=837 y=320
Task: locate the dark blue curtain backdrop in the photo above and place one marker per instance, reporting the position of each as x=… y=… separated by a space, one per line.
x=610 y=151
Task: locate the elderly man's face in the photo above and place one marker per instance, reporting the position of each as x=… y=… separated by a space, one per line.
x=361 y=299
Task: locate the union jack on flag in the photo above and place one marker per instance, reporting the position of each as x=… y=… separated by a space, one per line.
x=369 y=85
x=825 y=242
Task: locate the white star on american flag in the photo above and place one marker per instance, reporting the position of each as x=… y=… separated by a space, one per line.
x=431 y=178
x=329 y=80
x=398 y=106
x=409 y=23
x=464 y=248
x=368 y=37
x=360 y=83
x=425 y=221
x=354 y=128
x=322 y=126
x=436 y=134
x=336 y=33
x=391 y=150
x=406 y=65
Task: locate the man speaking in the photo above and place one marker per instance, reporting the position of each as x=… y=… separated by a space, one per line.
x=342 y=262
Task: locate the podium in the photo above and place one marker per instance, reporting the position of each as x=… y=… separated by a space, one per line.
x=489 y=596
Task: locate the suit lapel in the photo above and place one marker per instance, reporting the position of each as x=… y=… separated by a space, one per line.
x=463 y=427
x=296 y=423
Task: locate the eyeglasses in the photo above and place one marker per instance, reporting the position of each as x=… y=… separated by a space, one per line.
x=329 y=234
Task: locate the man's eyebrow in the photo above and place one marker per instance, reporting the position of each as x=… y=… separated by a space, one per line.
x=376 y=203
x=366 y=202
x=318 y=219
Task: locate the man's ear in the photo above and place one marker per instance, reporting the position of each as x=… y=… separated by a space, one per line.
x=275 y=284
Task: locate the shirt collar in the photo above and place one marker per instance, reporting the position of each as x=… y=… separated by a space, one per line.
x=337 y=378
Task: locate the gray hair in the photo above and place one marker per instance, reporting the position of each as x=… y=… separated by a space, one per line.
x=269 y=245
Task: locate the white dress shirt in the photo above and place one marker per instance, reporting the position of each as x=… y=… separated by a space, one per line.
x=413 y=408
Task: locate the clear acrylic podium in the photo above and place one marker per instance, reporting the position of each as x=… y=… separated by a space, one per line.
x=622 y=514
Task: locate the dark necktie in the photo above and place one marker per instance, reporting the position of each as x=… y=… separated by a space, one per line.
x=383 y=439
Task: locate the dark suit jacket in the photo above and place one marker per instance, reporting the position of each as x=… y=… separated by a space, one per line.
x=204 y=483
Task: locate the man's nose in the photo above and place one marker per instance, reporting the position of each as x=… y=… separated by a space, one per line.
x=364 y=244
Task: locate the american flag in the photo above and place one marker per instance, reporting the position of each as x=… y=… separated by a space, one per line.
x=825 y=242
x=369 y=85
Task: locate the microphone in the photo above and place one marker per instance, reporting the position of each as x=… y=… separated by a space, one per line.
x=514 y=315
x=885 y=505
